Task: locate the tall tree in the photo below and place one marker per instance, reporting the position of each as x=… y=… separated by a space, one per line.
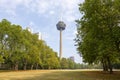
x=15 y=45
x=4 y=31
x=98 y=32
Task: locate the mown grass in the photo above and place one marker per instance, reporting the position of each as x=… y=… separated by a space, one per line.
x=58 y=75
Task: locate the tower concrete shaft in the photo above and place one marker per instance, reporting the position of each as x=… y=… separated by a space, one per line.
x=60 y=53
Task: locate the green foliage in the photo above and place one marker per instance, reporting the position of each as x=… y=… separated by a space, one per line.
x=64 y=63
x=21 y=49
x=98 y=37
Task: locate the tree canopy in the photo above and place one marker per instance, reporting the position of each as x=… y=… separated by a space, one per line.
x=21 y=49
x=98 y=32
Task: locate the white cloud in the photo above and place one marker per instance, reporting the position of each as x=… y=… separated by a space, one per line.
x=9 y=6
x=48 y=8
x=27 y=3
x=69 y=18
x=52 y=12
x=66 y=7
x=11 y=13
x=70 y=38
x=42 y=6
x=69 y=4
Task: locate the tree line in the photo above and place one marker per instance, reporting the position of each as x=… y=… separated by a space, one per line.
x=98 y=33
x=21 y=49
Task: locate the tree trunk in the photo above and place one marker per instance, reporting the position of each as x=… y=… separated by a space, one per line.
x=32 y=67
x=25 y=65
x=36 y=66
x=16 y=66
x=110 y=65
x=105 y=66
x=49 y=67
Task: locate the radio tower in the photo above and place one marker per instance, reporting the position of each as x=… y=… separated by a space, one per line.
x=60 y=26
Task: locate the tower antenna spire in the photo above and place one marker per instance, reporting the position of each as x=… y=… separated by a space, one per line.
x=61 y=11
x=61 y=18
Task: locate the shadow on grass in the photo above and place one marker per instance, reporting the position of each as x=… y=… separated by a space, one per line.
x=71 y=75
x=5 y=71
x=78 y=75
x=58 y=75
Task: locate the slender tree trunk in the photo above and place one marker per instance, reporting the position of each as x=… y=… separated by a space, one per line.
x=1 y=65
x=105 y=66
x=110 y=65
x=16 y=66
x=36 y=66
x=104 y=69
x=32 y=67
x=25 y=65
x=117 y=45
x=12 y=67
x=49 y=67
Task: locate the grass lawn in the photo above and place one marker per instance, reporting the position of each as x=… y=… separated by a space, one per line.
x=58 y=75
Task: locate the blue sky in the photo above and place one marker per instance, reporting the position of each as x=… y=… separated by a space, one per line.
x=42 y=16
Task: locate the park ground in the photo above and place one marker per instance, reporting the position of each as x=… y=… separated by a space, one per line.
x=59 y=75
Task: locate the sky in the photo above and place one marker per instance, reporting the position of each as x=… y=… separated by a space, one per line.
x=42 y=16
